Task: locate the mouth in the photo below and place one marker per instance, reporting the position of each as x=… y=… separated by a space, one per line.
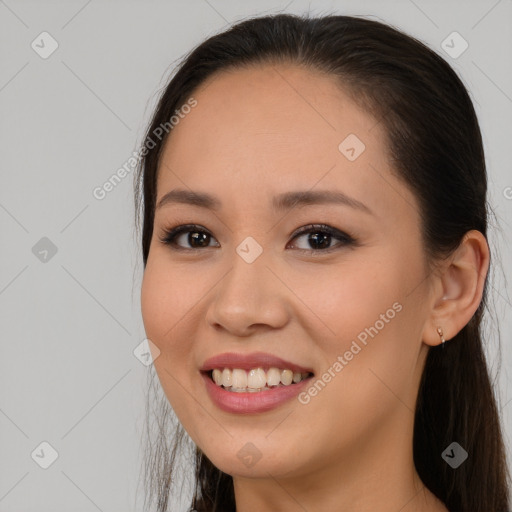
x=255 y=380
x=247 y=399
x=252 y=383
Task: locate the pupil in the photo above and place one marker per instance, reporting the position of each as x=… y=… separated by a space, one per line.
x=321 y=240
x=200 y=238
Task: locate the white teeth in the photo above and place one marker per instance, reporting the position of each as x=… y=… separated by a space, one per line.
x=273 y=377
x=239 y=378
x=256 y=379
x=217 y=377
x=226 y=377
x=286 y=377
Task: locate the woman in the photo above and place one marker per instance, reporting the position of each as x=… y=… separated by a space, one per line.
x=313 y=197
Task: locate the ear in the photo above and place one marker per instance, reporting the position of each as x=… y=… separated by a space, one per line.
x=458 y=288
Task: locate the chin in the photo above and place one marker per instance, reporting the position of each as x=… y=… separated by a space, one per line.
x=253 y=460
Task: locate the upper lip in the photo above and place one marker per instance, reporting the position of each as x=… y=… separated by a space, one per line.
x=249 y=361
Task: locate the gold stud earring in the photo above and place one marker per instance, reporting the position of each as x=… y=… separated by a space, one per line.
x=440 y=332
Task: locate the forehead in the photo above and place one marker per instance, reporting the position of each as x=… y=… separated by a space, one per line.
x=277 y=108
x=266 y=129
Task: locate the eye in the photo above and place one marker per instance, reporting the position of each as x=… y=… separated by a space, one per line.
x=320 y=237
x=194 y=235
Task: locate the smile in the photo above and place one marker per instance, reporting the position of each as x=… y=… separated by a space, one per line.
x=255 y=391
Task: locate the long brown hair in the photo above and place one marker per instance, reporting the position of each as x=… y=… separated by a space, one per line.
x=435 y=145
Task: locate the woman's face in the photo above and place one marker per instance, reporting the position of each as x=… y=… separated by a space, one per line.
x=244 y=280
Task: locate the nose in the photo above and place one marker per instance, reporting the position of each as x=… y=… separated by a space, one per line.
x=248 y=298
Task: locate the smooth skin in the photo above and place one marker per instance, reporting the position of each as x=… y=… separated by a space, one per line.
x=256 y=133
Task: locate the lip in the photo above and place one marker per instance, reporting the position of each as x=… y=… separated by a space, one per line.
x=257 y=402
x=247 y=362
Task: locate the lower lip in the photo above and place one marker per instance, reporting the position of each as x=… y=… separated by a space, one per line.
x=257 y=401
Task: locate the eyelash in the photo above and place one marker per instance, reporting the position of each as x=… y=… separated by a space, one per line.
x=169 y=236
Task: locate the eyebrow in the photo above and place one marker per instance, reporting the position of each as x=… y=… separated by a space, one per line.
x=279 y=203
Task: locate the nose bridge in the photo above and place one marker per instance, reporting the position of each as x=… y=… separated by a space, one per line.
x=248 y=294
x=247 y=280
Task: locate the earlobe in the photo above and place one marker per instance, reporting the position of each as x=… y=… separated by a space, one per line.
x=461 y=283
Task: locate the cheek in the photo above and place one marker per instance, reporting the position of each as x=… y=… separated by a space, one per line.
x=368 y=297
x=167 y=310
x=157 y=304
x=370 y=348
x=349 y=298
x=168 y=296
x=167 y=306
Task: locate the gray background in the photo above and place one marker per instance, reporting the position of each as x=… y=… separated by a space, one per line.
x=70 y=324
